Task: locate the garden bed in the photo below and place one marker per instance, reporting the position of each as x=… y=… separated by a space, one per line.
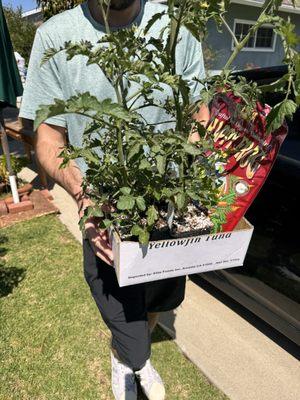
x=36 y=205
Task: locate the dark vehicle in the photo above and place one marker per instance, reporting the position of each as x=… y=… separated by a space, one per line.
x=269 y=282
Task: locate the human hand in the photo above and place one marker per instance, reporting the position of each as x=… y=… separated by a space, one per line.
x=98 y=238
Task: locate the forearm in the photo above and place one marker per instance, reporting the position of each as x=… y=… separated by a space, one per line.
x=49 y=143
x=69 y=177
x=48 y=146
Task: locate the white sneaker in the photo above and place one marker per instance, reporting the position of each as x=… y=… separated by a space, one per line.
x=122 y=380
x=151 y=383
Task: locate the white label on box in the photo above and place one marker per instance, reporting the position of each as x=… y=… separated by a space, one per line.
x=174 y=257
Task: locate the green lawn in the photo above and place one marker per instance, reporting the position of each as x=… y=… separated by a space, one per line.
x=53 y=343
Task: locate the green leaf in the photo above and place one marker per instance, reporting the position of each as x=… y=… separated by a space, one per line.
x=297 y=91
x=136 y=230
x=83 y=103
x=134 y=150
x=180 y=200
x=125 y=190
x=87 y=102
x=279 y=85
x=152 y=20
x=287 y=30
x=142 y=234
x=191 y=149
x=89 y=156
x=144 y=164
x=156 y=149
x=194 y=29
x=297 y=64
x=285 y=109
x=48 y=111
x=157 y=194
x=193 y=195
x=152 y=215
x=144 y=237
x=161 y=164
x=81 y=223
x=49 y=53
x=140 y=202
x=158 y=44
x=126 y=202
x=166 y=192
x=91 y=211
x=105 y=223
x=96 y=212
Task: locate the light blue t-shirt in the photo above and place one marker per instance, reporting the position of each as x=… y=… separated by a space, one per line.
x=59 y=78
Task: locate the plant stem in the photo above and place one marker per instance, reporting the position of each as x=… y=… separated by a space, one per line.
x=176 y=22
x=120 y=139
x=147 y=105
x=134 y=94
x=229 y=30
x=243 y=43
x=120 y=150
x=105 y=14
x=172 y=42
x=119 y=97
x=119 y=90
x=123 y=96
x=289 y=87
x=163 y=122
x=175 y=28
x=133 y=103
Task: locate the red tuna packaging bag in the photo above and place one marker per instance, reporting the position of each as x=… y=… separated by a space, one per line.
x=252 y=153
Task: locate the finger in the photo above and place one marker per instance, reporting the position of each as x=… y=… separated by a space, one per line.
x=103 y=234
x=100 y=239
x=93 y=232
x=100 y=242
x=102 y=245
x=102 y=255
x=104 y=248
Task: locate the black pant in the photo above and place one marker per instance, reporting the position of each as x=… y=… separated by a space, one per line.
x=124 y=310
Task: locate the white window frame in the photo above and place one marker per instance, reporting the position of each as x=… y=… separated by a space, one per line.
x=259 y=49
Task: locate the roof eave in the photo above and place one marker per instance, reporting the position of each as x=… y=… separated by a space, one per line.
x=31 y=12
x=253 y=3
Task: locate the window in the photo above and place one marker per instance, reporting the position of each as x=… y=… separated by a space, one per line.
x=264 y=39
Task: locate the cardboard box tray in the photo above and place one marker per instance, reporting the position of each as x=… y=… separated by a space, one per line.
x=168 y=258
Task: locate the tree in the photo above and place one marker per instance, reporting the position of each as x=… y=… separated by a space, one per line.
x=52 y=7
x=21 y=31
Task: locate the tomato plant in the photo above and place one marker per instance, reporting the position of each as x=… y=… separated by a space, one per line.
x=144 y=169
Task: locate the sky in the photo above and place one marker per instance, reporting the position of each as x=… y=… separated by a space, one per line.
x=26 y=4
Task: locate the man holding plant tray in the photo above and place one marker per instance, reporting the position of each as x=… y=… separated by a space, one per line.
x=130 y=313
